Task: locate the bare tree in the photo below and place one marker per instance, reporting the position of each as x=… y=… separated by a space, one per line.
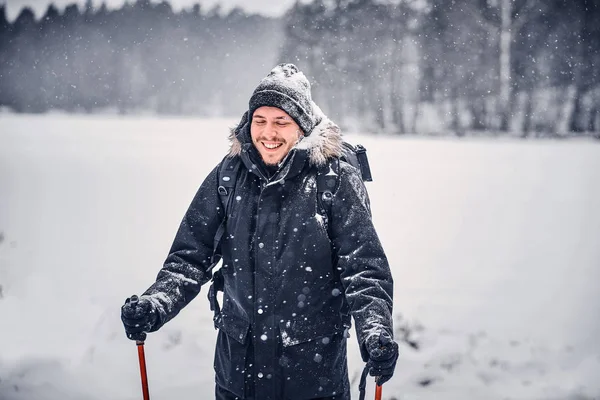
x=585 y=71
x=501 y=18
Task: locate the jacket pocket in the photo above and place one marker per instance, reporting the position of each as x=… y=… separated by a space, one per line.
x=231 y=353
x=313 y=361
x=234 y=326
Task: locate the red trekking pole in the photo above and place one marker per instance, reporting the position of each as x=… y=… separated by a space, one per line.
x=142 y=357
x=378 y=390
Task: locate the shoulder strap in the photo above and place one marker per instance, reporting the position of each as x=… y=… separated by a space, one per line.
x=363 y=161
x=227 y=176
x=362 y=385
x=328 y=181
x=357 y=157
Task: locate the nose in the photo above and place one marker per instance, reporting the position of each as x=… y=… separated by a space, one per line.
x=270 y=131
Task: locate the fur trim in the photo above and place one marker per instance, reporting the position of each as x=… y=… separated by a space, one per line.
x=324 y=143
x=235 y=146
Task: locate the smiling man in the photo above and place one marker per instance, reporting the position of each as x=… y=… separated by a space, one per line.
x=293 y=273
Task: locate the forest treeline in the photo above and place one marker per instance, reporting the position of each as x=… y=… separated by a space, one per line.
x=427 y=66
x=143 y=57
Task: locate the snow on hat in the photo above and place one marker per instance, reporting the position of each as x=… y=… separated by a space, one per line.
x=287 y=89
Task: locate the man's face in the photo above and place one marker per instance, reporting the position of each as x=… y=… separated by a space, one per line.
x=273 y=133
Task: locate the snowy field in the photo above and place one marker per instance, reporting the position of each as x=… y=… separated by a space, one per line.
x=494 y=247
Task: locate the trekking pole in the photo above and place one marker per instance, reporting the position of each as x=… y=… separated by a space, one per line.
x=142 y=358
x=378 y=390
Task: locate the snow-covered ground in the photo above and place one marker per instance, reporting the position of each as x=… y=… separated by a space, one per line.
x=493 y=246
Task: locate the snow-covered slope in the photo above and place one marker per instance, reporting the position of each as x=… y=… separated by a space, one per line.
x=493 y=246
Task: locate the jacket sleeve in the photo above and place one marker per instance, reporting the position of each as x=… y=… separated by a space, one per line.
x=365 y=272
x=187 y=267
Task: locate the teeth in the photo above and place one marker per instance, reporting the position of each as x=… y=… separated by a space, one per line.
x=271 y=146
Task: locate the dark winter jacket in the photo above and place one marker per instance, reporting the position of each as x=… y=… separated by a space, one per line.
x=291 y=280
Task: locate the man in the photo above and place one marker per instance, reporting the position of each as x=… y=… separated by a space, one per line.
x=291 y=276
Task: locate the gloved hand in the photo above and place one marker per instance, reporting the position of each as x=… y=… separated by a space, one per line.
x=383 y=354
x=138 y=315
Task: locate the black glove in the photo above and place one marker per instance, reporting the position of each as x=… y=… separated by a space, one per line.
x=383 y=354
x=139 y=316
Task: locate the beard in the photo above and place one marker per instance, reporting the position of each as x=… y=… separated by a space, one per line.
x=270 y=163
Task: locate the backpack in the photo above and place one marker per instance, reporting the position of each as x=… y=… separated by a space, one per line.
x=328 y=176
x=327 y=185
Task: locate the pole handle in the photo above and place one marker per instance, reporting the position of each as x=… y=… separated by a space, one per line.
x=140 y=337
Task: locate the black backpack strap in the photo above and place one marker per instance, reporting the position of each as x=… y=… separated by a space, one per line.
x=227 y=176
x=357 y=157
x=328 y=181
x=363 y=162
x=362 y=385
x=215 y=287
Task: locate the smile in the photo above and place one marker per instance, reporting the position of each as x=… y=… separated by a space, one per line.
x=272 y=146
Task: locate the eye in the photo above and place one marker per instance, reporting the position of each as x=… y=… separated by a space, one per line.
x=281 y=123
x=259 y=122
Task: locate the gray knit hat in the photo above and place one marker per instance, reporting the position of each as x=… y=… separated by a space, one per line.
x=287 y=89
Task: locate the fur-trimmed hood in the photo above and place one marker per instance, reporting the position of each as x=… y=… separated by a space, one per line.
x=322 y=144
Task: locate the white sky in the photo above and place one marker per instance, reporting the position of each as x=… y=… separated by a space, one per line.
x=266 y=7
